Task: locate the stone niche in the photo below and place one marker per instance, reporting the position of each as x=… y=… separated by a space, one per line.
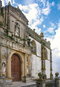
x=3 y=60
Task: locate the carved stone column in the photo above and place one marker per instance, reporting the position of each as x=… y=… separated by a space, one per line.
x=28 y=65
x=25 y=65
x=51 y=75
x=42 y=60
x=24 y=76
x=0 y=60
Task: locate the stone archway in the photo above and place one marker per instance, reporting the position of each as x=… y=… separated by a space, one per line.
x=16 y=67
x=9 y=74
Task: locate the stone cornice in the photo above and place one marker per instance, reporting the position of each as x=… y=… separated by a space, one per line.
x=12 y=41
x=38 y=38
x=28 y=52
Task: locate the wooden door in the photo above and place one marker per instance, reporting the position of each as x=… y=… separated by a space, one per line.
x=16 y=68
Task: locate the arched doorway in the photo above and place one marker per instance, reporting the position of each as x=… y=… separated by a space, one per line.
x=16 y=67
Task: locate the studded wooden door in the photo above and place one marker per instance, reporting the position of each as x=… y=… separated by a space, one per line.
x=16 y=68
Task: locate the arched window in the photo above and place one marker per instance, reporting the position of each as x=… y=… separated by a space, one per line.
x=33 y=46
x=45 y=53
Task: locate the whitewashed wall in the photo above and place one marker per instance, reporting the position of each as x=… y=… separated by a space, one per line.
x=36 y=60
x=47 y=65
x=36 y=65
x=38 y=48
x=48 y=53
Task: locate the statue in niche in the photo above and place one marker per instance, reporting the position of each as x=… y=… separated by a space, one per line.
x=17 y=29
x=3 y=68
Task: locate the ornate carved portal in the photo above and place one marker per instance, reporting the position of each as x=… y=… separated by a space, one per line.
x=16 y=67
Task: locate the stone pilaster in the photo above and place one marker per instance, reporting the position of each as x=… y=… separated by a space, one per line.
x=24 y=74
x=42 y=60
x=8 y=17
x=0 y=60
x=7 y=63
x=51 y=64
x=25 y=65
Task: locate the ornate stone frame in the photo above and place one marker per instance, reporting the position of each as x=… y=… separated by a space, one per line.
x=9 y=64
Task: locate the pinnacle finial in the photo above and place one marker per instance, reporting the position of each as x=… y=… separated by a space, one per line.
x=34 y=30
x=9 y=3
x=18 y=7
x=41 y=35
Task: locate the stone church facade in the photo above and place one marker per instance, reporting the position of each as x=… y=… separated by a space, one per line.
x=23 y=53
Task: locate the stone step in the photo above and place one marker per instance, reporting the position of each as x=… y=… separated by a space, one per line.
x=9 y=83
x=29 y=80
x=20 y=84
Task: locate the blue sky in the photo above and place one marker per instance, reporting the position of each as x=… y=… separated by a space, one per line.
x=43 y=16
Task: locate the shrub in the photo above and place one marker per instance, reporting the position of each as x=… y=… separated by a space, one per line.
x=42 y=76
x=56 y=74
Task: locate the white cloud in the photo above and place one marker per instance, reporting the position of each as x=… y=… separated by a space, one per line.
x=46 y=10
x=5 y=2
x=43 y=1
x=36 y=22
x=13 y=1
x=33 y=14
x=56 y=41
x=38 y=30
x=58 y=6
x=53 y=3
x=55 y=45
x=23 y=7
x=27 y=2
x=30 y=11
x=52 y=28
x=44 y=26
